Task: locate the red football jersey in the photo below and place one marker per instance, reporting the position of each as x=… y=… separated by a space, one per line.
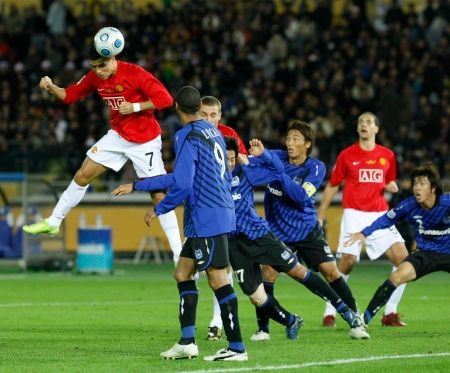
x=365 y=174
x=131 y=83
x=230 y=132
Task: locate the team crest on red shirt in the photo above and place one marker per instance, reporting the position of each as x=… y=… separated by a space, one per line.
x=383 y=161
x=119 y=87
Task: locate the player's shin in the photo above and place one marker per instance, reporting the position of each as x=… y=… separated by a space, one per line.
x=272 y=309
x=187 y=312
x=261 y=317
x=379 y=299
x=229 y=312
x=342 y=289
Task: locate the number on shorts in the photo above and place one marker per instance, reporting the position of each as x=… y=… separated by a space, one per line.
x=151 y=160
x=218 y=153
x=239 y=275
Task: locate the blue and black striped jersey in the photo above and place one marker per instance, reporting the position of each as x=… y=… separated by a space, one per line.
x=289 y=202
x=244 y=179
x=201 y=179
x=431 y=227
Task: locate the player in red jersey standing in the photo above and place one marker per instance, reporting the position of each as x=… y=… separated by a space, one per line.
x=211 y=110
x=368 y=169
x=132 y=95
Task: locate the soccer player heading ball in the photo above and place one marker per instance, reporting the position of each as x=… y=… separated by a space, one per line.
x=132 y=95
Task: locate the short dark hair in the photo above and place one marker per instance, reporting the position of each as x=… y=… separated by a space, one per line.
x=306 y=130
x=211 y=101
x=188 y=99
x=429 y=170
x=231 y=144
x=93 y=55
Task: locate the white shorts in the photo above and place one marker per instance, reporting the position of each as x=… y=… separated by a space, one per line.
x=113 y=151
x=376 y=244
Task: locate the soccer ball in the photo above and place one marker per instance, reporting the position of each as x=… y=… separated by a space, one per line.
x=109 y=42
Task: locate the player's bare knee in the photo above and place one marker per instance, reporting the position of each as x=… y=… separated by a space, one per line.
x=217 y=278
x=181 y=275
x=346 y=263
x=216 y=283
x=298 y=272
x=270 y=275
x=398 y=254
x=331 y=274
x=334 y=274
x=396 y=278
x=329 y=271
x=259 y=297
x=81 y=178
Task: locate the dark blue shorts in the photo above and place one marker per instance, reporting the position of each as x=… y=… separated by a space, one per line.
x=207 y=251
x=426 y=262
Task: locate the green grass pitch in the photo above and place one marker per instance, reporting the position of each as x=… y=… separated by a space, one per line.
x=56 y=322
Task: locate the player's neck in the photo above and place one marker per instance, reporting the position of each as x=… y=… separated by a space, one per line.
x=187 y=118
x=429 y=203
x=114 y=69
x=367 y=144
x=298 y=160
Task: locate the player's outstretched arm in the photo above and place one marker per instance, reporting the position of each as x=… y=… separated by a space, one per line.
x=126 y=107
x=46 y=84
x=149 y=184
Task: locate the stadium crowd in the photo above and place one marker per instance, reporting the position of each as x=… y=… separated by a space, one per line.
x=267 y=61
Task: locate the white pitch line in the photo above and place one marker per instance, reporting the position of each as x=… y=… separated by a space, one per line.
x=320 y=363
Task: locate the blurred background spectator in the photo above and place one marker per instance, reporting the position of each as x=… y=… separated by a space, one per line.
x=267 y=61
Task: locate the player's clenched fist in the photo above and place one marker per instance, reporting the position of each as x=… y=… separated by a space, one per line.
x=45 y=83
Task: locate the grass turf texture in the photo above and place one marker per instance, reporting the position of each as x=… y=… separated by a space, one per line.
x=69 y=322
